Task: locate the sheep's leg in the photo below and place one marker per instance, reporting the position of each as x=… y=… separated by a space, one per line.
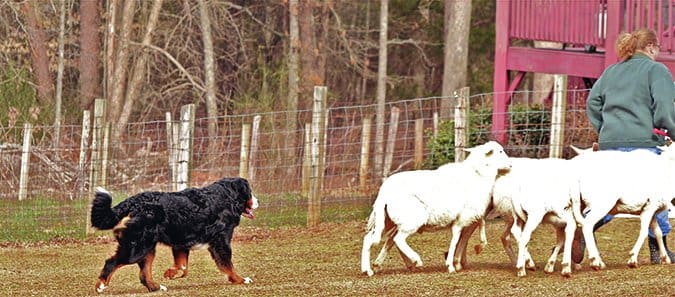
x=365 y=254
x=517 y=233
x=646 y=218
x=593 y=216
x=369 y=240
x=450 y=260
x=532 y=222
x=570 y=229
x=461 y=246
x=506 y=240
x=388 y=244
x=559 y=242
x=406 y=250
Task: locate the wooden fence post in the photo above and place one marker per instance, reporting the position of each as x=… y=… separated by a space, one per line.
x=461 y=123
x=171 y=151
x=255 y=136
x=306 y=160
x=95 y=170
x=175 y=144
x=365 y=153
x=244 y=152
x=317 y=149
x=558 y=115
x=187 y=125
x=25 y=161
x=419 y=143
x=104 y=155
x=84 y=141
x=391 y=141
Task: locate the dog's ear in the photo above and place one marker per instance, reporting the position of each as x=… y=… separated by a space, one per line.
x=244 y=187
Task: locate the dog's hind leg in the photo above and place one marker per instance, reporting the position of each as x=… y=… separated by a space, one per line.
x=180 y=264
x=221 y=252
x=145 y=274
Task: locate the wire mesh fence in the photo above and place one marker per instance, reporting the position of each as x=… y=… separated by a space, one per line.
x=59 y=176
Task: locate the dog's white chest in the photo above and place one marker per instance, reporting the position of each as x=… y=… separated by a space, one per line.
x=201 y=246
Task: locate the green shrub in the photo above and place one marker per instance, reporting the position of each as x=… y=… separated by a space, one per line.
x=529 y=130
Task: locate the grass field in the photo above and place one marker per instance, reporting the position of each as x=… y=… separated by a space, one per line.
x=42 y=218
x=324 y=261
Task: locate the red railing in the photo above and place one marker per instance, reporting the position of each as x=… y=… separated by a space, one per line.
x=576 y=22
x=565 y=21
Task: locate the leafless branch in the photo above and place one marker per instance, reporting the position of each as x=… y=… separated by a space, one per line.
x=175 y=62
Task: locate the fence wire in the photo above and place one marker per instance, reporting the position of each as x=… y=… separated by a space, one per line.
x=58 y=180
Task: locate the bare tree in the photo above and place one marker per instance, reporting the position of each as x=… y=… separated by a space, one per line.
x=59 y=75
x=139 y=69
x=90 y=50
x=456 y=54
x=293 y=84
x=381 y=89
x=209 y=74
x=38 y=46
x=121 y=57
x=110 y=47
x=312 y=56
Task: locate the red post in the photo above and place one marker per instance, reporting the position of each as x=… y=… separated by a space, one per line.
x=614 y=27
x=501 y=77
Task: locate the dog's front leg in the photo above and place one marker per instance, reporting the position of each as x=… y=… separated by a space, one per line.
x=180 y=264
x=221 y=252
x=145 y=274
x=106 y=273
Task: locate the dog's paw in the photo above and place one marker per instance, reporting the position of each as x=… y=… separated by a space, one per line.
x=163 y=288
x=100 y=287
x=248 y=280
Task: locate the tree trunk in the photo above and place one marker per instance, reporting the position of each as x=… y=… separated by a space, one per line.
x=209 y=75
x=293 y=82
x=312 y=71
x=456 y=54
x=38 y=45
x=364 y=74
x=118 y=85
x=542 y=82
x=59 y=75
x=381 y=89
x=90 y=50
x=138 y=73
x=110 y=48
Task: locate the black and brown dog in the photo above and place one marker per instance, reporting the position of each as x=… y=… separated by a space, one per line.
x=185 y=220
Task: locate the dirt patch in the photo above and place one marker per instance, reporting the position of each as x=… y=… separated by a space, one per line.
x=324 y=261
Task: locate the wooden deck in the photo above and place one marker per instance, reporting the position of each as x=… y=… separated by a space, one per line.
x=588 y=30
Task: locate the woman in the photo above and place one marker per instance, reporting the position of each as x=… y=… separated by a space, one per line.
x=631 y=106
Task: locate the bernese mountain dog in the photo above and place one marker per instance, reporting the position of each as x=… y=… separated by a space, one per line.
x=190 y=219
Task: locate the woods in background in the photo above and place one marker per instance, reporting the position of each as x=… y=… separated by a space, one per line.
x=231 y=57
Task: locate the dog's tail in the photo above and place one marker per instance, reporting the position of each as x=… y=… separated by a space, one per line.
x=102 y=215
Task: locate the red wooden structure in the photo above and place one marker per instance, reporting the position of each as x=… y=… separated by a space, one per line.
x=587 y=28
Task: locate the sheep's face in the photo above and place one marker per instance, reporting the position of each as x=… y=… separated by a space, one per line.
x=490 y=157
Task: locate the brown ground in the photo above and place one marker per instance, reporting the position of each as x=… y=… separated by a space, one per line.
x=324 y=261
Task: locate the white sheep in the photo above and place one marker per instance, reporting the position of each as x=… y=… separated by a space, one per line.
x=637 y=182
x=455 y=195
x=542 y=190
